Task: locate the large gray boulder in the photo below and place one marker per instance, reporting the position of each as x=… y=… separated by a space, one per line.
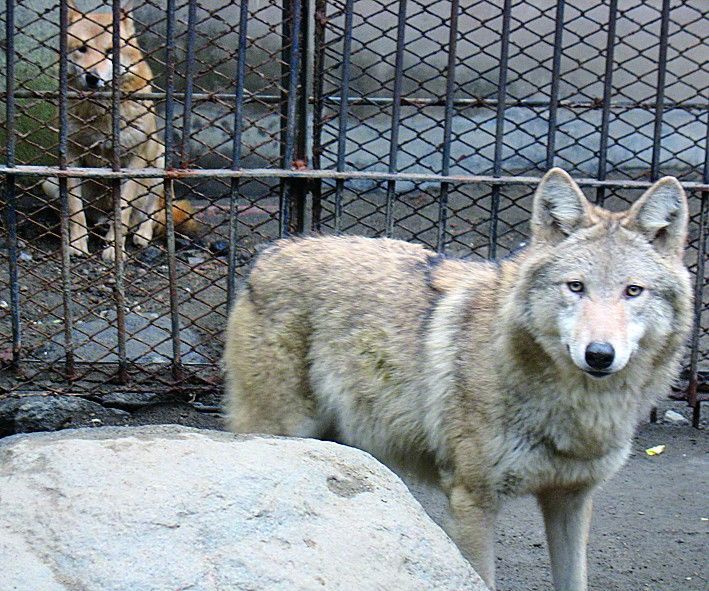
x=174 y=508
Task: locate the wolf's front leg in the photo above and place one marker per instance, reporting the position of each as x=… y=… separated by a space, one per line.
x=78 y=230
x=475 y=531
x=129 y=193
x=567 y=518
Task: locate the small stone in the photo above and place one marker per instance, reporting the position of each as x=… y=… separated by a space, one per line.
x=194 y=261
x=150 y=255
x=220 y=248
x=674 y=418
x=25 y=256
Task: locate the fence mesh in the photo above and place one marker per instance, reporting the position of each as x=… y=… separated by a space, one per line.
x=426 y=121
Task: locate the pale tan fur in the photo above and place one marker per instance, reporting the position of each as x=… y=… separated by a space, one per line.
x=90 y=43
x=407 y=354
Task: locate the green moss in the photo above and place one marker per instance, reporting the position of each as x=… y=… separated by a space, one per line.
x=34 y=120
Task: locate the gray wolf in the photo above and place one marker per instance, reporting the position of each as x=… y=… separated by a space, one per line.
x=525 y=377
x=90 y=45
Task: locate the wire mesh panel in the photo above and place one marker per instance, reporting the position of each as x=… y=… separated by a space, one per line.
x=219 y=125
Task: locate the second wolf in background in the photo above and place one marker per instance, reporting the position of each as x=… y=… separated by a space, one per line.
x=90 y=59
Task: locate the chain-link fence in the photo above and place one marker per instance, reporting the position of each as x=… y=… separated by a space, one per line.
x=429 y=121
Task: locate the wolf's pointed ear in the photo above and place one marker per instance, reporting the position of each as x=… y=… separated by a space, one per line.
x=559 y=209
x=662 y=215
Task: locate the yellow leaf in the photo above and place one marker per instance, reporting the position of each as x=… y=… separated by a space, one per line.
x=655 y=451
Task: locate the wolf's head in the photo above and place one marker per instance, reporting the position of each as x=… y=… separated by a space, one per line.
x=600 y=288
x=90 y=50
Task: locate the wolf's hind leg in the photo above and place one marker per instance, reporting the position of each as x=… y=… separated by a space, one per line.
x=267 y=389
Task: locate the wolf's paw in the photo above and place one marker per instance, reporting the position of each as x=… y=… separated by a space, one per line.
x=79 y=248
x=109 y=254
x=140 y=241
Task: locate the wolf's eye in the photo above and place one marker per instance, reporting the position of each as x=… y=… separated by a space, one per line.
x=633 y=291
x=575 y=286
x=83 y=49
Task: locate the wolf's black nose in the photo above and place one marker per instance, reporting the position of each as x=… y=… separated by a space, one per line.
x=600 y=355
x=92 y=81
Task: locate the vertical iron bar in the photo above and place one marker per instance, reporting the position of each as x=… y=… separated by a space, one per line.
x=292 y=23
x=67 y=306
x=299 y=187
x=189 y=84
x=692 y=398
x=318 y=106
x=344 y=110
x=448 y=125
x=396 y=115
x=499 y=126
x=169 y=188
x=236 y=150
x=660 y=101
x=555 y=74
x=10 y=196
x=118 y=229
x=607 y=94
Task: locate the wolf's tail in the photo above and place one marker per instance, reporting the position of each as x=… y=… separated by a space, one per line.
x=183 y=214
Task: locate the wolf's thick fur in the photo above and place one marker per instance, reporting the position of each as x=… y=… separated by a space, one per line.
x=490 y=369
x=90 y=129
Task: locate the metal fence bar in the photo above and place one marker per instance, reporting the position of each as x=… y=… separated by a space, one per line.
x=169 y=190
x=554 y=93
x=251 y=97
x=447 y=125
x=499 y=126
x=292 y=23
x=119 y=230
x=259 y=173
x=189 y=84
x=700 y=279
x=344 y=111
x=10 y=188
x=692 y=395
x=67 y=302
x=236 y=149
x=661 y=75
x=607 y=91
x=318 y=103
x=395 y=116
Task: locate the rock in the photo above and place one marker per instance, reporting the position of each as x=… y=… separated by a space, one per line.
x=148 y=340
x=195 y=261
x=49 y=413
x=674 y=418
x=161 y=508
x=132 y=400
x=25 y=256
